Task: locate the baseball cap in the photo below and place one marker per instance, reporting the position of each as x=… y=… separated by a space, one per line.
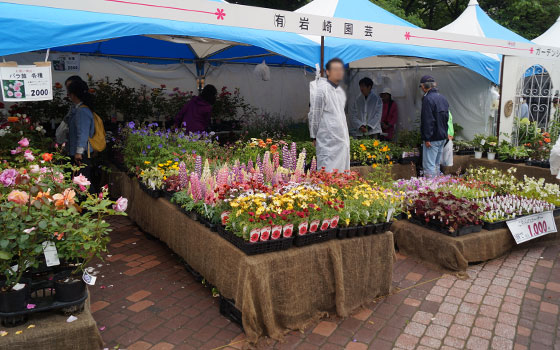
x=427 y=79
x=386 y=90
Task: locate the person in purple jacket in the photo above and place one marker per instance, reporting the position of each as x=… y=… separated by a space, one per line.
x=195 y=115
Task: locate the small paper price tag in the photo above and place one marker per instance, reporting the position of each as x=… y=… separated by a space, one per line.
x=51 y=255
x=483 y=142
x=390 y=214
x=89 y=279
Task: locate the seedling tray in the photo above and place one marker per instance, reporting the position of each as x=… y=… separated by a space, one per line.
x=257 y=247
x=315 y=237
x=152 y=193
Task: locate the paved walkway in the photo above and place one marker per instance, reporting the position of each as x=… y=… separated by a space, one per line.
x=144 y=299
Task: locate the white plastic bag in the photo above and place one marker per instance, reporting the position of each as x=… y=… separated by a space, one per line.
x=62 y=133
x=555 y=160
x=263 y=71
x=447 y=156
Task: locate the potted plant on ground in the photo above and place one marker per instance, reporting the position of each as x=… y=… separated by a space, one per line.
x=491 y=144
x=83 y=234
x=479 y=143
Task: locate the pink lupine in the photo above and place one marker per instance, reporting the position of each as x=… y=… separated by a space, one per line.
x=198 y=166
x=313 y=165
x=276 y=160
x=183 y=175
x=195 y=190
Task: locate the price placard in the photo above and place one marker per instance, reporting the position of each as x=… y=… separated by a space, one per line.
x=65 y=62
x=533 y=226
x=26 y=83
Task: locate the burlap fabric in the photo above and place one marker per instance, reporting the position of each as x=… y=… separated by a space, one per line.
x=464 y=162
x=52 y=332
x=455 y=253
x=278 y=291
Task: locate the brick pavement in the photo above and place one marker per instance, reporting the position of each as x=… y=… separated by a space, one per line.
x=144 y=299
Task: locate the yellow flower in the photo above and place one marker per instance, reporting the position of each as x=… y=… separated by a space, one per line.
x=375 y=143
x=363 y=147
x=374 y=165
x=146 y=162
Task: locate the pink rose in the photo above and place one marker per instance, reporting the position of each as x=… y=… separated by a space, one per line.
x=28 y=155
x=81 y=180
x=121 y=204
x=18 y=197
x=34 y=169
x=24 y=142
x=16 y=151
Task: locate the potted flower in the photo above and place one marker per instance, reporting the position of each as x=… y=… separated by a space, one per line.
x=479 y=143
x=82 y=234
x=491 y=145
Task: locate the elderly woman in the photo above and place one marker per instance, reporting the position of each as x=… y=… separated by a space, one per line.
x=196 y=114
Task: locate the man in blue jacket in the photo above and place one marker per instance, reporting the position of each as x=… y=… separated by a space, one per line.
x=433 y=125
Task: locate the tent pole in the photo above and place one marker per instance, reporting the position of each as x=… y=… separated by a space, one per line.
x=322 y=56
x=501 y=96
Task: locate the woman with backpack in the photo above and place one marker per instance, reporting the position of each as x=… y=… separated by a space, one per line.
x=81 y=126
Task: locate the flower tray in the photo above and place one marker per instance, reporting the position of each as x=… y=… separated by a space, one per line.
x=167 y=194
x=346 y=232
x=315 y=237
x=494 y=225
x=257 y=247
x=228 y=310
x=207 y=223
x=513 y=161
x=539 y=163
x=465 y=152
x=460 y=232
x=556 y=212
x=409 y=160
x=41 y=294
x=152 y=193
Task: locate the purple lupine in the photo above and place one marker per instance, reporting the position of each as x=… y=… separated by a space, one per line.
x=195 y=190
x=249 y=165
x=293 y=156
x=198 y=166
x=259 y=177
x=183 y=175
x=313 y=165
x=259 y=162
x=276 y=160
x=285 y=157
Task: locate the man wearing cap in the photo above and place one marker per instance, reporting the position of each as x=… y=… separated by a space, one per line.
x=390 y=114
x=433 y=125
x=365 y=112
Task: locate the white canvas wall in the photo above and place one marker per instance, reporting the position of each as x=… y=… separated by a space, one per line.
x=286 y=93
x=468 y=94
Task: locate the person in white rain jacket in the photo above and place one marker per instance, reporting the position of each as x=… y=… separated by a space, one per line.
x=327 y=120
x=555 y=160
x=366 y=112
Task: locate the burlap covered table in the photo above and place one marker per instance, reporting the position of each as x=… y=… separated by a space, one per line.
x=398 y=171
x=464 y=162
x=455 y=253
x=277 y=291
x=52 y=332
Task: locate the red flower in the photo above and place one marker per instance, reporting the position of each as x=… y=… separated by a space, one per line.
x=47 y=157
x=162 y=86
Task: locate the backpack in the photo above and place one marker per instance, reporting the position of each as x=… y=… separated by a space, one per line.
x=97 y=141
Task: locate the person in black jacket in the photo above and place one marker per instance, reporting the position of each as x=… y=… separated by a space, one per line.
x=433 y=125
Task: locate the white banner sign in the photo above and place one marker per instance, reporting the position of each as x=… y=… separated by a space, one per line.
x=529 y=227
x=211 y=12
x=65 y=62
x=25 y=83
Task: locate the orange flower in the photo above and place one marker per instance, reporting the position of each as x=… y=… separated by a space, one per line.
x=92 y=91
x=274 y=148
x=41 y=196
x=547 y=140
x=59 y=235
x=540 y=143
x=58 y=85
x=269 y=141
x=65 y=199
x=13 y=119
x=18 y=197
x=47 y=157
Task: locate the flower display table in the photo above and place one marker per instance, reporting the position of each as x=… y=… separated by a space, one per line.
x=455 y=253
x=463 y=162
x=399 y=171
x=275 y=292
x=50 y=331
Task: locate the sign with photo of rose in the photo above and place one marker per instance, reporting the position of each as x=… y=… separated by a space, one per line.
x=26 y=83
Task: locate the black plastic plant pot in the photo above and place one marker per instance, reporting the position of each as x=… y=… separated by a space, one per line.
x=13 y=300
x=68 y=291
x=369 y=229
x=360 y=231
x=352 y=231
x=342 y=232
x=556 y=212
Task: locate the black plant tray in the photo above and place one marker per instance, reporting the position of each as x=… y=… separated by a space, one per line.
x=556 y=212
x=167 y=194
x=42 y=295
x=346 y=232
x=460 y=232
x=513 y=161
x=213 y=227
x=197 y=276
x=494 y=225
x=409 y=160
x=149 y=191
x=465 y=152
x=315 y=237
x=539 y=163
x=257 y=247
x=228 y=310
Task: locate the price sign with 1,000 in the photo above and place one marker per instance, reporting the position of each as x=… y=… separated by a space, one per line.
x=533 y=226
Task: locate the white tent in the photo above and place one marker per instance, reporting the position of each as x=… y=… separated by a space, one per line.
x=551 y=37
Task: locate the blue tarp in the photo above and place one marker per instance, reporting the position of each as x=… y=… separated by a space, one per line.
x=62 y=30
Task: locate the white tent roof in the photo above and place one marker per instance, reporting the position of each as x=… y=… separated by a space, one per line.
x=551 y=37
